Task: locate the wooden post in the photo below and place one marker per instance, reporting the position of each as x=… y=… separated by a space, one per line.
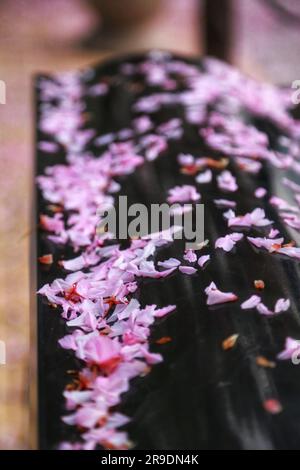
x=218 y=24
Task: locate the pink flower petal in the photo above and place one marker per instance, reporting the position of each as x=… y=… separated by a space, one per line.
x=169 y=263
x=291 y=349
x=204 y=177
x=227 y=182
x=183 y=193
x=215 y=296
x=225 y=203
x=260 y=192
x=252 y=302
x=229 y=241
x=203 y=260
x=187 y=270
x=190 y=256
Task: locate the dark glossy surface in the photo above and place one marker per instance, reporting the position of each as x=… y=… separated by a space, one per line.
x=200 y=397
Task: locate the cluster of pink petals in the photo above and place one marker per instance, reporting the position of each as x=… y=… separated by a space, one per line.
x=109 y=331
x=269 y=244
x=256 y=218
x=115 y=341
x=281 y=305
x=274 y=245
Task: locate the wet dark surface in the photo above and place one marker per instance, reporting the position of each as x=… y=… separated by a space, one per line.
x=200 y=397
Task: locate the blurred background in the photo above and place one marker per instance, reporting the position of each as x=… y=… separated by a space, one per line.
x=261 y=37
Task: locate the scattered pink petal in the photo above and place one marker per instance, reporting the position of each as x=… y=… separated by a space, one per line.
x=190 y=256
x=161 y=312
x=254 y=218
x=252 y=302
x=273 y=233
x=264 y=310
x=204 y=177
x=203 y=260
x=282 y=305
x=187 y=270
x=281 y=204
x=215 y=296
x=48 y=147
x=260 y=193
x=183 y=193
x=169 y=263
x=227 y=182
x=291 y=349
x=229 y=241
x=225 y=203
x=267 y=243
